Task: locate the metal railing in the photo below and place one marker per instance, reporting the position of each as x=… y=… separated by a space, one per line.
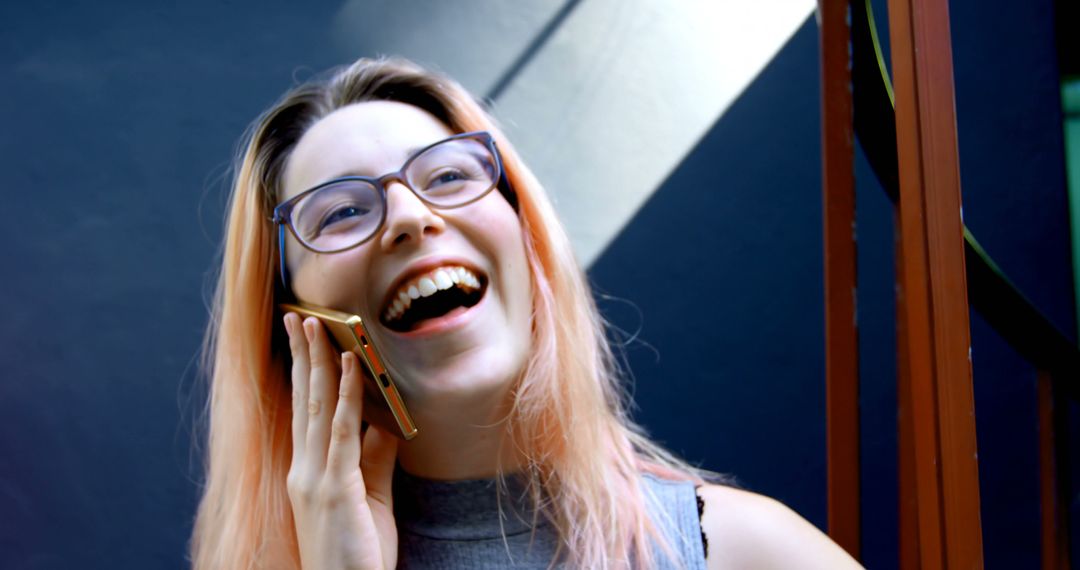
x=909 y=138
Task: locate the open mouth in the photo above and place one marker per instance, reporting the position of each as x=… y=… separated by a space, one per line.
x=443 y=291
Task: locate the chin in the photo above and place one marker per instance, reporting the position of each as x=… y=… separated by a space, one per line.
x=477 y=375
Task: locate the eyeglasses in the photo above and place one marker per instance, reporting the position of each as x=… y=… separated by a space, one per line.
x=346 y=212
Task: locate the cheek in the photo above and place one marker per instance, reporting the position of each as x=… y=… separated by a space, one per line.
x=501 y=233
x=520 y=283
x=505 y=235
x=332 y=280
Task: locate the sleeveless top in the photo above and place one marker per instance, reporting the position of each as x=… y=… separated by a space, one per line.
x=456 y=524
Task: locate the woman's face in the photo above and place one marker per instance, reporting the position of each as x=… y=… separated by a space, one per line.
x=469 y=351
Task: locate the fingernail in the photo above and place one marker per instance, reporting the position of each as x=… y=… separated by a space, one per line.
x=288 y=329
x=309 y=331
x=346 y=363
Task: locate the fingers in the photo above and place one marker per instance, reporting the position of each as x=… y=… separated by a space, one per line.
x=327 y=412
x=377 y=464
x=343 y=457
x=300 y=369
x=322 y=395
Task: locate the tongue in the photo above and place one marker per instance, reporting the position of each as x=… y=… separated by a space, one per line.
x=426 y=322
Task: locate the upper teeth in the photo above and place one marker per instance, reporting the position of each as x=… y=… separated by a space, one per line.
x=427 y=284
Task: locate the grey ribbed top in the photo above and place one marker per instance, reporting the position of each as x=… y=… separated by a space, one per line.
x=456 y=524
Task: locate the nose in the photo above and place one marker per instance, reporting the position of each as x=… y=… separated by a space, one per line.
x=407 y=218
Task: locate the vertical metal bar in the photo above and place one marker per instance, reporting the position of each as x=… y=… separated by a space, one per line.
x=841 y=332
x=1055 y=538
x=907 y=499
x=934 y=287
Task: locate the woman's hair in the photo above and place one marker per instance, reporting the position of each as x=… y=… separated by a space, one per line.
x=569 y=416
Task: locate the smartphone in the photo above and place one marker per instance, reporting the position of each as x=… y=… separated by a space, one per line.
x=349 y=332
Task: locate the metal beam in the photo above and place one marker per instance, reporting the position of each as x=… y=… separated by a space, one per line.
x=934 y=288
x=841 y=328
x=1053 y=430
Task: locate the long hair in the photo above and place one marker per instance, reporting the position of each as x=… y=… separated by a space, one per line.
x=569 y=416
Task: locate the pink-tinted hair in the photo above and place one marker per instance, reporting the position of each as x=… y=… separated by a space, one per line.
x=570 y=413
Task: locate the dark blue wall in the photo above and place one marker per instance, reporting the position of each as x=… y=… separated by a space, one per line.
x=119 y=122
x=1012 y=169
x=723 y=264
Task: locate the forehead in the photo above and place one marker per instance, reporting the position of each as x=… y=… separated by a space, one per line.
x=369 y=138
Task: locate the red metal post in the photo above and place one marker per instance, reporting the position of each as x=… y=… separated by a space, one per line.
x=1055 y=540
x=841 y=332
x=934 y=287
x=907 y=503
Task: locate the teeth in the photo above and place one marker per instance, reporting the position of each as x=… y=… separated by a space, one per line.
x=426 y=285
x=442 y=280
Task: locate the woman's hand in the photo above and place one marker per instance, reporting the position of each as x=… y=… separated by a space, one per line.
x=339 y=487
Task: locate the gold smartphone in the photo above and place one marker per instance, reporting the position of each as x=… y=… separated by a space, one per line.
x=349 y=332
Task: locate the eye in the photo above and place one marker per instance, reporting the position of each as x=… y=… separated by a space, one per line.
x=341 y=214
x=446 y=177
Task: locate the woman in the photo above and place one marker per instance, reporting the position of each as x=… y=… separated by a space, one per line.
x=467 y=281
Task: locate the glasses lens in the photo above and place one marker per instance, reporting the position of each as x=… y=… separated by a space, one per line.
x=338 y=216
x=454 y=172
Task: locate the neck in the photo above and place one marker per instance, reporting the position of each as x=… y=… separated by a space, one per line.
x=460 y=440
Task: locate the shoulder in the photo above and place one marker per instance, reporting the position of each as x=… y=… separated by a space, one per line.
x=747 y=530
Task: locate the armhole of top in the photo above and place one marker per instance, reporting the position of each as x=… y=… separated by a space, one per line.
x=700 y=513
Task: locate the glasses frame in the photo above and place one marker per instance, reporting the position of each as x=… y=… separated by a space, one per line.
x=282 y=215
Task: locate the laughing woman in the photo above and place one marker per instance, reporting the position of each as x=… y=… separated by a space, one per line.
x=386 y=191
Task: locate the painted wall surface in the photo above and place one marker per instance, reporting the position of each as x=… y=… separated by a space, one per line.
x=120 y=122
